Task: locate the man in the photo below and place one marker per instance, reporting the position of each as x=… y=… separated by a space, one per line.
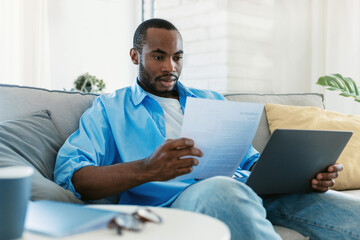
x=128 y=144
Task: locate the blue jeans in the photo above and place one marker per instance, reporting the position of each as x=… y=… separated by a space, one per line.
x=328 y=215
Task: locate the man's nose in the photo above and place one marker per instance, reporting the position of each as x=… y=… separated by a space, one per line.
x=169 y=65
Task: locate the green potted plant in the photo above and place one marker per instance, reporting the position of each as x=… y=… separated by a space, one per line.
x=89 y=84
x=336 y=82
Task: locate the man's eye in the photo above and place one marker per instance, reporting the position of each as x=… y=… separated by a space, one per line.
x=158 y=58
x=177 y=58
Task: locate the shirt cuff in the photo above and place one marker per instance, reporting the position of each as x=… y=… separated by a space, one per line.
x=65 y=177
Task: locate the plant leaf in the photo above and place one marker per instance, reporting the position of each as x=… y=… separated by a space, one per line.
x=336 y=82
x=353 y=84
x=347 y=94
x=89 y=83
x=329 y=81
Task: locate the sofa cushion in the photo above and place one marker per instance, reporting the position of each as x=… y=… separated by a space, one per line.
x=354 y=193
x=34 y=141
x=297 y=99
x=295 y=117
x=65 y=108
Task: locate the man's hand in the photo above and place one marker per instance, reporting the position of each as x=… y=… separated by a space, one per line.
x=324 y=181
x=172 y=159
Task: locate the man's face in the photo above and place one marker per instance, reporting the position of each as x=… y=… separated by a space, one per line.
x=160 y=62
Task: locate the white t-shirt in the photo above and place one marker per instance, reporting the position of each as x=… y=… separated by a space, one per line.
x=173 y=115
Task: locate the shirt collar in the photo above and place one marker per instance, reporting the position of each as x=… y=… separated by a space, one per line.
x=183 y=91
x=138 y=93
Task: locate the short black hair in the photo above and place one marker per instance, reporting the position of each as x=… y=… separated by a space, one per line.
x=140 y=33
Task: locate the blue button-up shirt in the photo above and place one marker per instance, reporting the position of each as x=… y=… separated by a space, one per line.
x=125 y=126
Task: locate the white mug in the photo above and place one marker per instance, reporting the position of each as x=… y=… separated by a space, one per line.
x=15 y=191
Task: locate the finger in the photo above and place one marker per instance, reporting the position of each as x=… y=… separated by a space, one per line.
x=192 y=151
x=337 y=167
x=182 y=171
x=323 y=183
x=327 y=183
x=327 y=176
x=179 y=143
x=321 y=189
x=320 y=186
x=187 y=162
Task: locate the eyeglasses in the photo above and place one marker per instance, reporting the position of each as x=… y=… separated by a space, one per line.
x=134 y=222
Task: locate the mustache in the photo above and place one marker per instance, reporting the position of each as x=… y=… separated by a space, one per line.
x=167 y=75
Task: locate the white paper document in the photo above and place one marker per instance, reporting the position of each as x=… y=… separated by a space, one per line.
x=223 y=131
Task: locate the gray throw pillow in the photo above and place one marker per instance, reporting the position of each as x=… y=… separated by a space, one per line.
x=34 y=141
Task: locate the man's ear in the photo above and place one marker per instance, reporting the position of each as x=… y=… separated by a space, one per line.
x=134 y=56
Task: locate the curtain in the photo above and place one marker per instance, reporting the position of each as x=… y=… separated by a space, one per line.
x=24 y=44
x=342 y=54
x=314 y=38
x=48 y=44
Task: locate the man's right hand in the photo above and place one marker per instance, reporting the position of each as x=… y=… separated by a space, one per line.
x=171 y=159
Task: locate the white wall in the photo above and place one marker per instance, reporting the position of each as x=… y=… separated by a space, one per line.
x=264 y=46
x=250 y=33
x=343 y=50
x=316 y=38
x=268 y=46
x=227 y=43
x=292 y=52
x=92 y=36
x=203 y=26
x=24 y=42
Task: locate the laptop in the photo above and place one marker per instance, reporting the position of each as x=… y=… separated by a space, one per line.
x=291 y=158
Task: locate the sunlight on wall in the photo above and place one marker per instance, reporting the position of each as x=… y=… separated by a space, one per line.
x=227 y=44
x=92 y=36
x=264 y=46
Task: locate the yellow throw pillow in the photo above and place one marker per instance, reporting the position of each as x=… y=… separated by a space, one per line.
x=295 y=117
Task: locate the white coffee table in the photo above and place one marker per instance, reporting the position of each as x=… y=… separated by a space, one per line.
x=176 y=225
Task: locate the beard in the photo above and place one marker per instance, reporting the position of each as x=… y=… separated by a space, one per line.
x=144 y=78
x=149 y=84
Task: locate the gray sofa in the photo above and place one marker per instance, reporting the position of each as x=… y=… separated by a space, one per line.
x=34 y=123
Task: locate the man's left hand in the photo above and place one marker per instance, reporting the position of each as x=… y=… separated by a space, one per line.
x=325 y=180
